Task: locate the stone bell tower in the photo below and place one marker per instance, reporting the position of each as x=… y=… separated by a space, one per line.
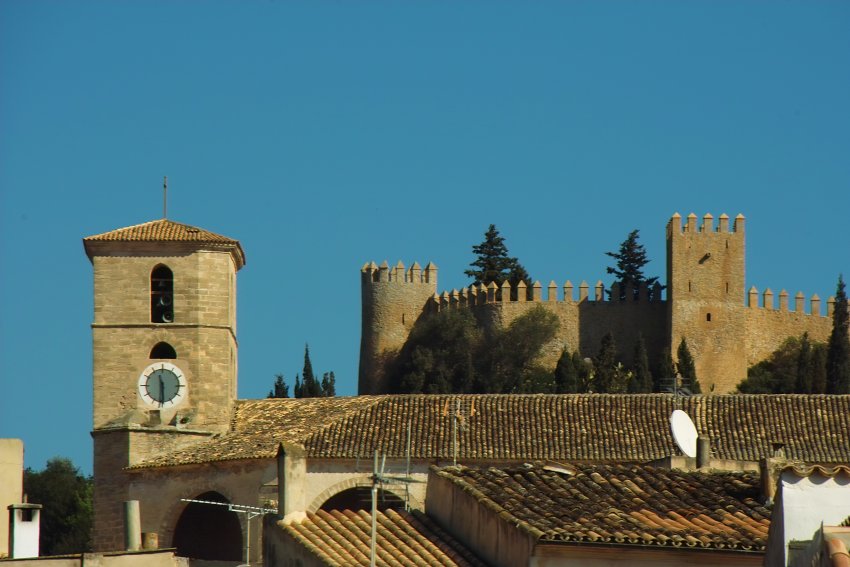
x=164 y=350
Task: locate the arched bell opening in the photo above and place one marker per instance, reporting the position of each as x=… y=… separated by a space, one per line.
x=209 y=531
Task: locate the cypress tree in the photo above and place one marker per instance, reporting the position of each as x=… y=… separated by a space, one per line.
x=566 y=374
x=803 y=384
x=665 y=372
x=818 y=369
x=687 y=369
x=838 y=349
x=280 y=389
x=606 y=375
x=641 y=378
x=298 y=389
x=328 y=385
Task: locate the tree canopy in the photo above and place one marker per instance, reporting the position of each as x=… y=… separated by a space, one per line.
x=631 y=259
x=66 y=499
x=494 y=264
x=838 y=349
x=798 y=366
x=307 y=387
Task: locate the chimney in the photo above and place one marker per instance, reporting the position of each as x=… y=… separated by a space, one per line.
x=703 y=451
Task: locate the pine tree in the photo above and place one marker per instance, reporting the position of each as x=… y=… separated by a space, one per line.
x=631 y=258
x=687 y=369
x=566 y=374
x=838 y=349
x=281 y=389
x=641 y=379
x=493 y=264
x=328 y=385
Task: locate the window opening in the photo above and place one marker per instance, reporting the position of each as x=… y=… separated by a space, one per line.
x=163 y=350
x=708 y=317
x=162 y=295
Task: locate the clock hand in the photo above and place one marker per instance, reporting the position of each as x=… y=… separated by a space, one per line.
x=161 y=391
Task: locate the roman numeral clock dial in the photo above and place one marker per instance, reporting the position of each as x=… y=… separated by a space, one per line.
x=162 y=385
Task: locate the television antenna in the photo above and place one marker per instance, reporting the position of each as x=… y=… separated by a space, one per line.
x=460 y=417
x=379 y=478
x=684 y=432
x=250 y=512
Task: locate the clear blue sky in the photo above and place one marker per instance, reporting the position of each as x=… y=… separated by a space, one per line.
x=323 y=135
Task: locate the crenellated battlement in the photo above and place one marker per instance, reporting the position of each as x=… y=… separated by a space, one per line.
x=767 y=302
x=371 y=272
x=728 y=327
x=495 y=294
x=675 y=226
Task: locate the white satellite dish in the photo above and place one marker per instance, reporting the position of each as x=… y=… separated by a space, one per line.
x=684 y=433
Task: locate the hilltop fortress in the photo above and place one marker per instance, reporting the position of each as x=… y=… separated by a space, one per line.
x=727 y=327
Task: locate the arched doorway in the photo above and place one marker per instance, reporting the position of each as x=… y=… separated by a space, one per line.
x=209 y=531
x=360 y=498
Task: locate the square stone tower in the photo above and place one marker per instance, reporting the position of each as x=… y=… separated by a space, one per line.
x=705 y=297
x=164 y=350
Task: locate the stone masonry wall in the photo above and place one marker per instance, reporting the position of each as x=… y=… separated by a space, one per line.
x=203 y=334
x=704 y=303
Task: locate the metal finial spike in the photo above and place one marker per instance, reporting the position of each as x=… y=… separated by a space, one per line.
x=165 y=197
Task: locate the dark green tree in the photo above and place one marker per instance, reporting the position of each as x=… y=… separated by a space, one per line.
x=310 y=386
x=641 y=378
x=493 y=264
x=631 y=258
x=438 y=356
x=280 y=389
x=818 y=368
x=66 y=497
x=803 y=383
x=797 y=366
x=664 y=375
x=687 y=369
x=584 y=369
x=609 y=376
x=566 y=374
x=328 y=385
x=510 y=355
x=838 y=348
x=298 y=389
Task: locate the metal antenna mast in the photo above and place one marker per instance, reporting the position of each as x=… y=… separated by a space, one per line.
x=250 y=512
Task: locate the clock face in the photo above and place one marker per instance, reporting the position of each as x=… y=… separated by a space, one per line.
x=162 y=385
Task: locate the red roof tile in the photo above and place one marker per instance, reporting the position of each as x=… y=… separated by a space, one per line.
x=343 y=538
x=569 y=427
x=599 y=504
x=164 y=230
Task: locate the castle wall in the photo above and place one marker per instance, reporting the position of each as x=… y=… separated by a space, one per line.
x=769 y=325
x=704 y=304
x=392 y=301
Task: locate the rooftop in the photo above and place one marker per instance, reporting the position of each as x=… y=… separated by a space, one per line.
x=164 y=230
x=623 y=504
x=499 y=428
x=343 y=538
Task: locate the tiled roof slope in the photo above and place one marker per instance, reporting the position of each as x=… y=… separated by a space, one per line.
x=623 y=504
x=164 y=230
x=577 y=427
x=342 y=538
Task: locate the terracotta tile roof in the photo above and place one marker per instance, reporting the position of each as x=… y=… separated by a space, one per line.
x=164 y=230
x=578 y=427
x=623 y=504
x=343 y=538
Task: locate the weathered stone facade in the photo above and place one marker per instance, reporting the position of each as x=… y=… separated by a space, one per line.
x=706 y=304
x=202 y=334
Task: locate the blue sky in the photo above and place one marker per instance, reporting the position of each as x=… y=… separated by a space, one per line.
x=323 y=135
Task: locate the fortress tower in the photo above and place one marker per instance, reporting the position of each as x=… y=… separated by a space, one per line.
x=705 y=297
x=164 y=350
x=392 y=300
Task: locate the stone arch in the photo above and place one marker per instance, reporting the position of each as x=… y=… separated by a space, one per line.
x=353 y=483
x=208 y=531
